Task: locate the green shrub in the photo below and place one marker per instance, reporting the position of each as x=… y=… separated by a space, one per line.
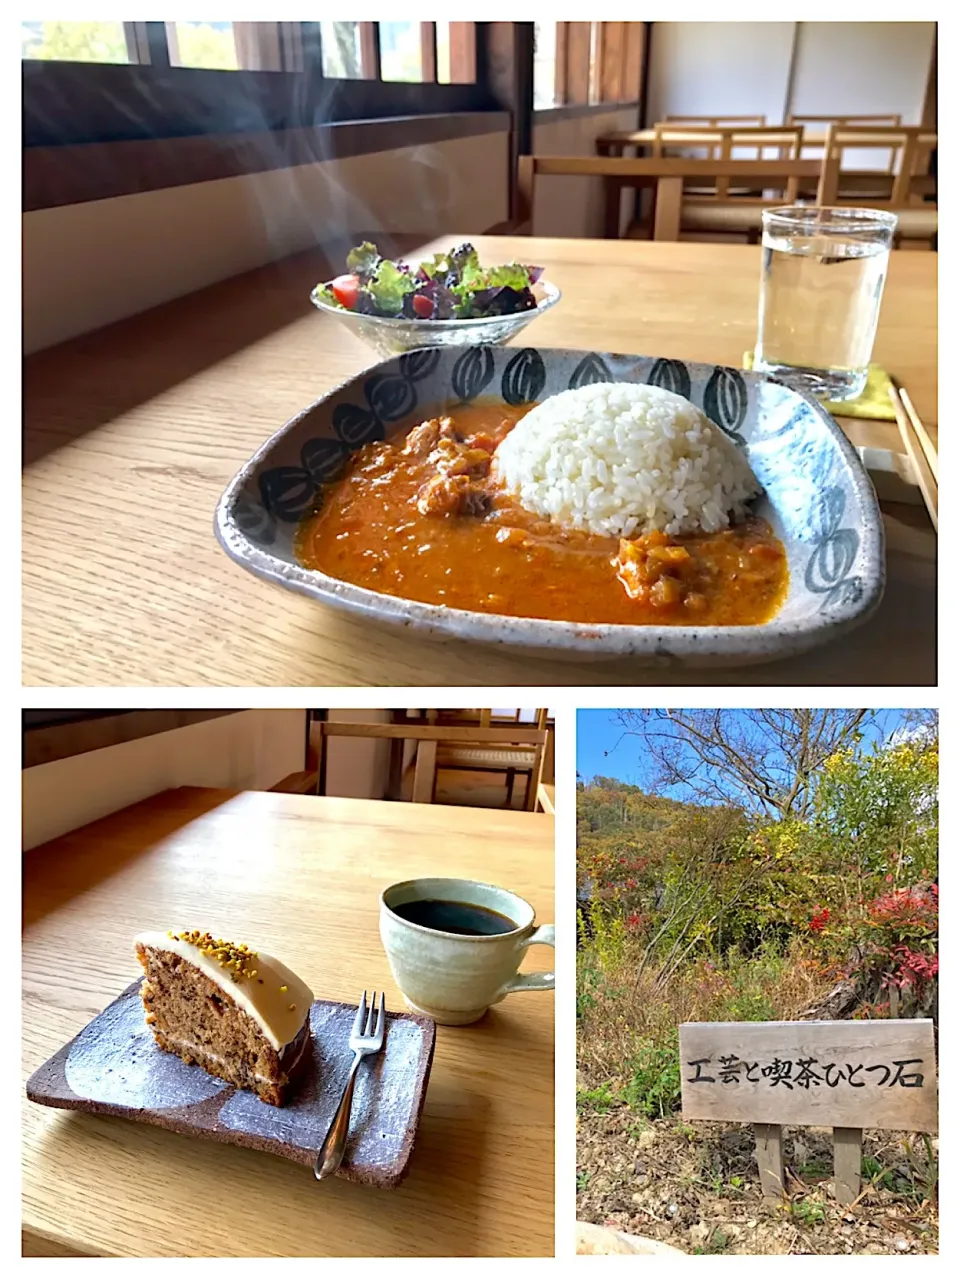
x=654 y=1086
x=808 y=1212
x=600 y=1099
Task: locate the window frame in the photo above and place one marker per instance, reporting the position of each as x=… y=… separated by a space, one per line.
x=163 y=101
x=58 y=735
x=577 y=71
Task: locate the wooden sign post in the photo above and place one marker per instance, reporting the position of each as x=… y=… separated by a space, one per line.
x=844 y=1075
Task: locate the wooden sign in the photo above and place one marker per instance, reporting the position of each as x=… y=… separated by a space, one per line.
x=844 y=1075
x=876 y=1074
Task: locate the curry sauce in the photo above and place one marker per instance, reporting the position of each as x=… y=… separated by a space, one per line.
x=418 y=516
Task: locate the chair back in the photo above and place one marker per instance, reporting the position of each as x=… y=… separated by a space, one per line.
x=429 y=736
x=715 y=121
x=910 y=148
x=725 y=143
x=814 y=146
x=889 y=119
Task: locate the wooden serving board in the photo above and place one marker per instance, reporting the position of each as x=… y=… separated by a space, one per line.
x=113 y=1067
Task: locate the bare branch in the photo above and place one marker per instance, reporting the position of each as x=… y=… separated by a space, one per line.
x=760 y=760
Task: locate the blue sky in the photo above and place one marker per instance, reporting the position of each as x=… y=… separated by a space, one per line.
x=598 y=731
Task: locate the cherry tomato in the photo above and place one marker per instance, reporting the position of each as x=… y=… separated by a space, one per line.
x=422 y=307
x=345 y=290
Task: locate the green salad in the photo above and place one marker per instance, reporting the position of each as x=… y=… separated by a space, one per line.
x=448 y=286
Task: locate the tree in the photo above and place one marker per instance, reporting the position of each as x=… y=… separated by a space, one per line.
x=341 y=56
x=201 y=44
x=75 y=41
x=763 y=760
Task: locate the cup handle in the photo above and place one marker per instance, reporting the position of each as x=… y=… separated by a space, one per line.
x=542 y=980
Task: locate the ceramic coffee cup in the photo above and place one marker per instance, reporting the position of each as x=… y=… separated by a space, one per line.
x=454 y=977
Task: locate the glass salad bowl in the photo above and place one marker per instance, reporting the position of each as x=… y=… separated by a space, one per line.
x=389 y=336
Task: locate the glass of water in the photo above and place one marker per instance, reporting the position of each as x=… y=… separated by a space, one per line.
x=820 y=288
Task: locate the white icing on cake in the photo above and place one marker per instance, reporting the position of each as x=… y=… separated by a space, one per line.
x=267 y=998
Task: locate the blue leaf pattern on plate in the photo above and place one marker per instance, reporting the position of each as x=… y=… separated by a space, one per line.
x=725 y=401
x=671 y=375
x=471 y=373
x=417 y=365
x=287 y=492
x=524 y=378
x=356 y=426
x=834 y=554
x=390 y=398
x=592 y=368
x=255 y=521
x=323 y=460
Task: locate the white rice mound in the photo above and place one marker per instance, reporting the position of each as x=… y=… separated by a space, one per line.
x=624 y=458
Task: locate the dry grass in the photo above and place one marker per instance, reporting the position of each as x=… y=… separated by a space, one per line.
x=624 y=1006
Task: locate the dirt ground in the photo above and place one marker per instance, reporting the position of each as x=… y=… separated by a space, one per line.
x=695 y=1186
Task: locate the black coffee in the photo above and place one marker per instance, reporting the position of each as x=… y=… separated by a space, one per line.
x=454 y=917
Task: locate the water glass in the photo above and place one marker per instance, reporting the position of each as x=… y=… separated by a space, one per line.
x=821 y=284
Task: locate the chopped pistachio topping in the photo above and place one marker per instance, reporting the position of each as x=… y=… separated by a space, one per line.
x=227 y=954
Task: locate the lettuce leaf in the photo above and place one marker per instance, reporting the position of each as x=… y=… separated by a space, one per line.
x=437 y=266
x=363 y=260
x=463 y=257
x=511 y=275
x=388 y=287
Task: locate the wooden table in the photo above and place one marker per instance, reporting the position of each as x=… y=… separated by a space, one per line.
x=300 y=876
x=133 y=432
x=546 y=797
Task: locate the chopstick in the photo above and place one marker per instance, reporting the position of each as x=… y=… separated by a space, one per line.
x=929 y=448
x=913 y=443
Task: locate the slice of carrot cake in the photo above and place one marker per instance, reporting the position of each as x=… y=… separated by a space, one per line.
x=241 y=1014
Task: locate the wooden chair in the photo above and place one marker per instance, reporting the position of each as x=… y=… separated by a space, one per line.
x=667 y=177
x=726 y=210
x=509 y=759
x=905 y=191
x=303 y=783
x=715 y=121
x=875 y=121
x=616 y=143
x=721 y=144
x=889 y=119
x=526 y=756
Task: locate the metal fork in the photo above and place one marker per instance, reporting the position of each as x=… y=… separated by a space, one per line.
x=366 y=1038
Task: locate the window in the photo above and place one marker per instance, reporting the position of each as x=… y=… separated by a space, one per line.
x=202 y=44
x=401 y=54
x=227 y=85
x=545 y=65
x=586 y=63
x=456 y=52
x=75 y=41
x=341 y=52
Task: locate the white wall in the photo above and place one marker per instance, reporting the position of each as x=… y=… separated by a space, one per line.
x=574 y=206
x=250 y=751
x=358 y=767
x=862 y=68
x=744 y=68
x=719 y=68
x=86 y=265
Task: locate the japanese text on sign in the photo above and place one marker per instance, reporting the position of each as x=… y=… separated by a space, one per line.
x=808 y=1073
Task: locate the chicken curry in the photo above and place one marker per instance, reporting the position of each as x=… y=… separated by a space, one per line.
x=420 y=516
